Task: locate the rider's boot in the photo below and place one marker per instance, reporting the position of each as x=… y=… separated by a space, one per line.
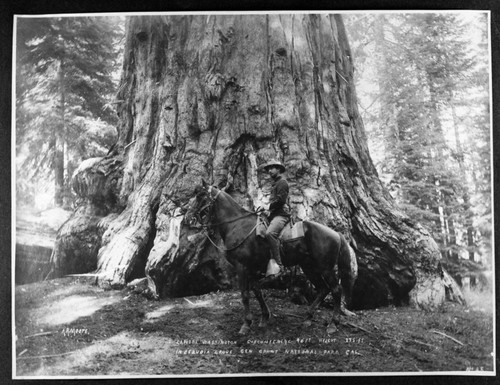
x=277 y=258
x=276 y=268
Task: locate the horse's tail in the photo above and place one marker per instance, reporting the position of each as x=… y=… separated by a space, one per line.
x=348 y=269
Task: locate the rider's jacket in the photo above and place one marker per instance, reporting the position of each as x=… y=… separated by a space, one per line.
x=278 y=201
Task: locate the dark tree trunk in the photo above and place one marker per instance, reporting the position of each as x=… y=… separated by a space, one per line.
x=214 y=96
x=59 y=144
x=452 y=238
x=59 y=171
x=471 y=245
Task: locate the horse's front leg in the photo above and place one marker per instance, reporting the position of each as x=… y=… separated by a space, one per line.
x=245 y=298
x=335 y=321
x=265 y=313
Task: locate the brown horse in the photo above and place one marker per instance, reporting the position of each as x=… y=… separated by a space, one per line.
x=323 y=254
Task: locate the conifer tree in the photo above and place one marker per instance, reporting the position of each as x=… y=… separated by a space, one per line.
x=427 y=93
x=64 y=82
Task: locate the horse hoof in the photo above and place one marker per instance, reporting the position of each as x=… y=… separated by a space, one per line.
x=332 y=328
x=245 y=329
x=348 y=313
x=307 y=323
x=264 y=321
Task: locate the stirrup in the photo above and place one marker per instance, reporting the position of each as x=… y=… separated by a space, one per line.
x=272 y=268
x=275 y=270
x=277 y=275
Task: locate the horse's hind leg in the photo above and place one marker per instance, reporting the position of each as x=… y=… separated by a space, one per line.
x=245 y=298
x=348 y=272
x=332 y=280
x=264 y=318
x=322 y=290
x=322 y=293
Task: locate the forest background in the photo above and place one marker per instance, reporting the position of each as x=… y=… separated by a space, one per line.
x=423 y=83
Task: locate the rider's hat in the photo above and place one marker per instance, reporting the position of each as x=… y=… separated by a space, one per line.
x=274 y=163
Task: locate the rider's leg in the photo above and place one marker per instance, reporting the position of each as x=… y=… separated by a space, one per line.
x=277 y=224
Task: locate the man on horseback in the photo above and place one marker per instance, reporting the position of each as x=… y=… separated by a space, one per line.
x=279 y=212
x=324 y=255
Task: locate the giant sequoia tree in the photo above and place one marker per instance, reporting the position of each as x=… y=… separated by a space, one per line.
x=214 y=96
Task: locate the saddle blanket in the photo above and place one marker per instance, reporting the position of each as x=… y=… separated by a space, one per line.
x=292 y=232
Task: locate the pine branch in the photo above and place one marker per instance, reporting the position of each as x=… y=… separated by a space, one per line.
x=447 y=336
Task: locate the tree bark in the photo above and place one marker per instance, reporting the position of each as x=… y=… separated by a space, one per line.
x=214 y=96
x=96 y=182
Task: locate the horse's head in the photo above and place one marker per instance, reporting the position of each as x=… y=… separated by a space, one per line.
x=201 y=204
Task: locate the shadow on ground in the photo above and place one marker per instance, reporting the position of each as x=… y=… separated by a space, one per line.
x=68 y=327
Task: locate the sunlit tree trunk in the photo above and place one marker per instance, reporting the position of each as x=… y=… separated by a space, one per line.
x=466 y=196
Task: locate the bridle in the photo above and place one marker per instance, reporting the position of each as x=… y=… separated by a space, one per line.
x=209 y=207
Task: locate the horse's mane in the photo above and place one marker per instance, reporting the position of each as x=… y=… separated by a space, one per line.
x=235 y=204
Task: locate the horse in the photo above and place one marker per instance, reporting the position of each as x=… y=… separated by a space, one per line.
x=325 y=257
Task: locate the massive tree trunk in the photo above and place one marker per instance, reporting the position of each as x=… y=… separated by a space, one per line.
x=214 y=96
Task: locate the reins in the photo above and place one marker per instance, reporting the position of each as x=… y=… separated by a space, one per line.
x=234 y=247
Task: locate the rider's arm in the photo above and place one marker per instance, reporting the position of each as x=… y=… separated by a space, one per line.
x=280 y=196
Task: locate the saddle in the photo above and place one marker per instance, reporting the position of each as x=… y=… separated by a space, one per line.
x=291 y=238
x=290 y=232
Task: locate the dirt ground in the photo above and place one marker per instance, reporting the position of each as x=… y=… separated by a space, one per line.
x=68 y=327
